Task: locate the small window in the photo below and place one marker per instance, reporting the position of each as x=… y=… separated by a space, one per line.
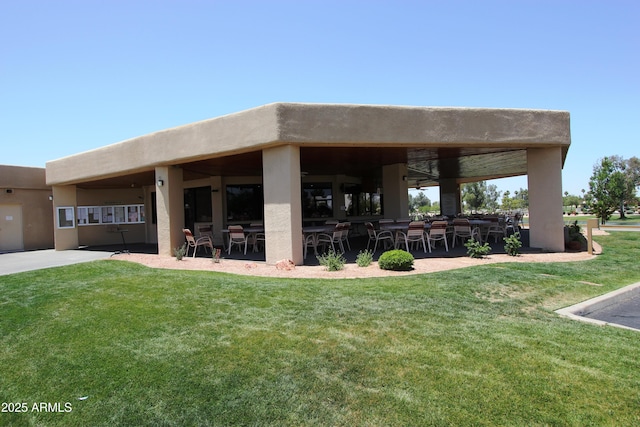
x=93 y=215
x=107 y=214
x=83 y=215
x=120 y=214
x=66 y=217
x=133 y=214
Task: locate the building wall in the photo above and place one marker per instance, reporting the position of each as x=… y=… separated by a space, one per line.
x=25 y=187
x=110 y=234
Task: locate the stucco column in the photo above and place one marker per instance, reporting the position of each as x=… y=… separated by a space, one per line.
x=217 y=210
x=65 y=238
x=396 y=191
x=544 y=169
x=450 y=204
x=282 y=204
x=169 y=209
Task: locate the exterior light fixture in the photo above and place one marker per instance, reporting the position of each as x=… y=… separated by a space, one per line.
x=160 y=183
x=404 y=177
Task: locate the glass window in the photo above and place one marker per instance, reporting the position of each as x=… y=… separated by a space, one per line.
x=93 y=215
x=132 y=214
x=245 y=202
x=96 y=215
x=120 y=214
x=197 y=206
x=363 y=203
x=317 y=200
x=65 y=217
x=83 y=215
x=107 y=214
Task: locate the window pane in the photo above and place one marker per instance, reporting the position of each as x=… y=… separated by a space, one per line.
x=107 y=215
x=317 y=200
x=244 y=202
x=94 y=215
x=65 y=217
x=120 y=214
x=83 y=215
x=132 y=214
x=363 y=204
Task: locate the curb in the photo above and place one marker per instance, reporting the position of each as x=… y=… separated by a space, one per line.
x=577 y=311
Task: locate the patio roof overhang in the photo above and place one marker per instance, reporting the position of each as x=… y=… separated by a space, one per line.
x=465 y=144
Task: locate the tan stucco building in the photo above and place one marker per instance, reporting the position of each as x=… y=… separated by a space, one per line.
x=271 y=155
x=26 y=217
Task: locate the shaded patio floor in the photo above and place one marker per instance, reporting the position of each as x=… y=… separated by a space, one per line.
x=358 y=244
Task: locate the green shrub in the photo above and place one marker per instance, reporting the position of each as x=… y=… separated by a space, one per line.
x=396 y=259
x=180 y=252
x=512 y=244
x=364 y=258
x=476 y=250
x=332 y=260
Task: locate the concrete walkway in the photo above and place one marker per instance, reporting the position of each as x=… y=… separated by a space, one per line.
x=17 y=262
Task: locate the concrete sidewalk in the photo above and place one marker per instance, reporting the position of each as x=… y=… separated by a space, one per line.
x=17 y=262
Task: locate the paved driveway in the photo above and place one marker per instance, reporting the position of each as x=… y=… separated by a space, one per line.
x=17 y=262
x=626 y=312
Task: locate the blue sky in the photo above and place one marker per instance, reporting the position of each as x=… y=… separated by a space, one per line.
x=77 y=75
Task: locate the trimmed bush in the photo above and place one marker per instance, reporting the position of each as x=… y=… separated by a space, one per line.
x=396 y=260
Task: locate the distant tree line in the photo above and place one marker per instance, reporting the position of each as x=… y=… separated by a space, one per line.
x=612 y=187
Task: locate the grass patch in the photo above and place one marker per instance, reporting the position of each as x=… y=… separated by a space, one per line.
x=476 y=346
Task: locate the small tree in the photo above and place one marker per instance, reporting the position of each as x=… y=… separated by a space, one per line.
x=474 y=194
x=608 y=187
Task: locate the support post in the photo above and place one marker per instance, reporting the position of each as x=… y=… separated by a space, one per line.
x=282 y=204
x=396 y=191
x=169 y=208
x=65 y=238
x=546 y=225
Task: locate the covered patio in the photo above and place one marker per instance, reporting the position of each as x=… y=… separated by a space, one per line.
x=353 y=162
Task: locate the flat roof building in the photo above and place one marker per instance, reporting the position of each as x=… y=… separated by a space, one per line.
x=272 y=155
x=26 y=221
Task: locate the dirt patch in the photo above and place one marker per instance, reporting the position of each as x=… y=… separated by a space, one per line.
x=351 y=271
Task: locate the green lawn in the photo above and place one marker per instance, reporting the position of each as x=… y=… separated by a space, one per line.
x=475 y=346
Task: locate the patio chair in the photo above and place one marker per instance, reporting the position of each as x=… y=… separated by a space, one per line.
x=258 y=239
x=205 y=230
x=415 y=234
x=326 y=239
x=309 y=240
x=194 y=243
x=378 y=235
x=344 y=236
x=495 y=229
x=238 y=238
x=462 y=229
x=438 y=232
